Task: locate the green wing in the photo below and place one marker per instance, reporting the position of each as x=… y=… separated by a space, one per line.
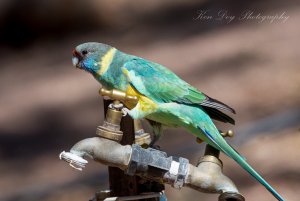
x=162 y=85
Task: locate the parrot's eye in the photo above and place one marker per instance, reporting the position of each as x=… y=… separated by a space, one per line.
x=84 y=52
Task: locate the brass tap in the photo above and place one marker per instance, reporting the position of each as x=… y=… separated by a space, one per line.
x=118 y=95
x=141 y=138
x=211 y=155
x=229 y=133
x=113 y=118
x=111 y=125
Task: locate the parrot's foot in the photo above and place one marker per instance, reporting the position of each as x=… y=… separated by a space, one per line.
x=154 y=146
x=153 y=141
x=133 y=113
x=125 y=111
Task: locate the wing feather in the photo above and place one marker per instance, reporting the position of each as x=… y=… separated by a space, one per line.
x=162 y=85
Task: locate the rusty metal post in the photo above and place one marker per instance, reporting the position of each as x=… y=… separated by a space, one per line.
x=121 y=184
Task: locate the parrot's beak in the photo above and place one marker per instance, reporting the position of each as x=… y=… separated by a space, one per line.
x=76 y=59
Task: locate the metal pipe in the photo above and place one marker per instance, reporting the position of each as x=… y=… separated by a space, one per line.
x=107 y=152
x=208 y=177
x=155 y=165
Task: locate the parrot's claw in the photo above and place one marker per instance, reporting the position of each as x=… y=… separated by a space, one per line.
x=110 y=106
x=125 y=111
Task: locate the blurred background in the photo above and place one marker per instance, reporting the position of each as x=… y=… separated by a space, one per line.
x=47 y=105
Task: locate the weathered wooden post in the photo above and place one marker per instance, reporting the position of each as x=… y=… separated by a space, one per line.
x=121 y=184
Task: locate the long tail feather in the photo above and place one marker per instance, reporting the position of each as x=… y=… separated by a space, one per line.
x=221 y=144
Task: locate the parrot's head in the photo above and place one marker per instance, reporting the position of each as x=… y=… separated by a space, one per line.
x=88 y=56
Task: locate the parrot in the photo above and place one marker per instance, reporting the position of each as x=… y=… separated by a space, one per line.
x=164 y=99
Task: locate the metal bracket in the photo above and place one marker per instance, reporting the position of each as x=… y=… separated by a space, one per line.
x=146 y=162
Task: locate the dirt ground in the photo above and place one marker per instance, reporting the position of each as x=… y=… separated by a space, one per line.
x=47 y=106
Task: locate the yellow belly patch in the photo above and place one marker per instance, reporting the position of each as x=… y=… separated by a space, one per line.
x=145 y=103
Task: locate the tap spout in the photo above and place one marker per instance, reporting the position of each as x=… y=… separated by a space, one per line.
x=105 y=151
